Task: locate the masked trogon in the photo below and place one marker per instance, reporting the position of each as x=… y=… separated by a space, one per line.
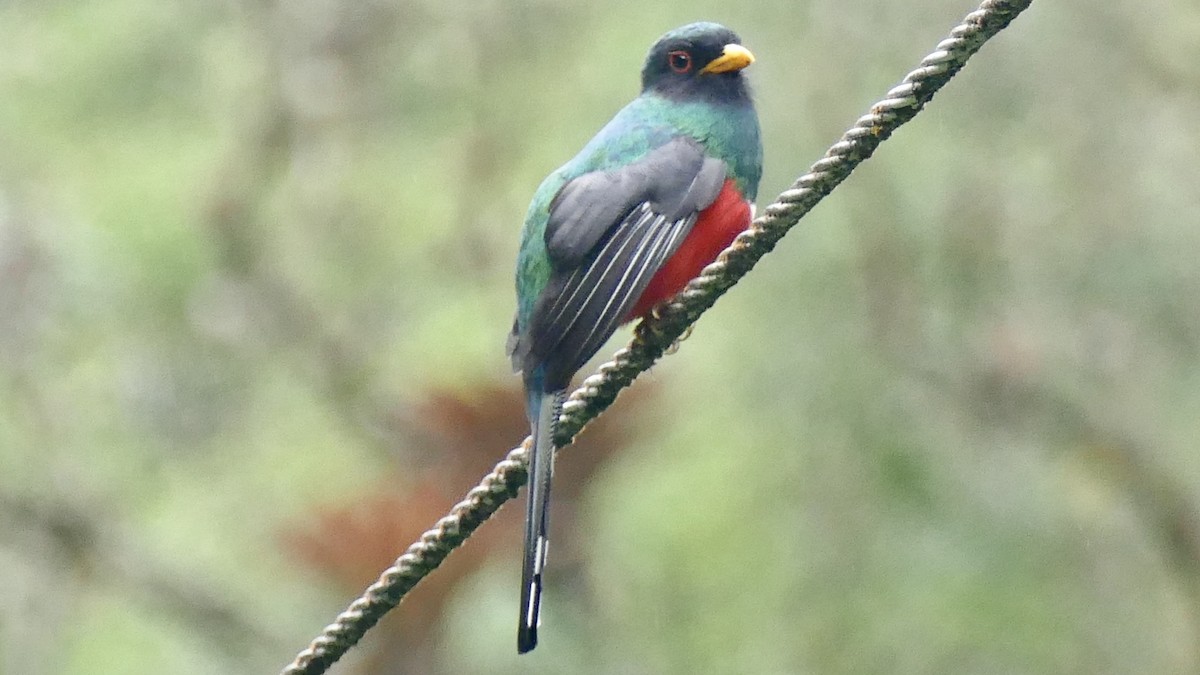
x=651 y=200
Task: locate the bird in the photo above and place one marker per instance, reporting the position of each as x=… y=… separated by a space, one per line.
x=650 y=201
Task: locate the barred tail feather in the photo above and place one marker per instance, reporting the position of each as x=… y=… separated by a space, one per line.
x=541 y=471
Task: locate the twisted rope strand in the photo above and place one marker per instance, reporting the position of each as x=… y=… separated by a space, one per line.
x=657 y=334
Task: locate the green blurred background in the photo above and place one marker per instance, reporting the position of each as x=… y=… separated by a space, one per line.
x=255 y=281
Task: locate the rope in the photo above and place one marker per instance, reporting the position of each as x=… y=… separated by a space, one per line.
x=656 y=335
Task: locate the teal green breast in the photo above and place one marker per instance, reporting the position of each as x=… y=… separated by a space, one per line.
x=729 y=133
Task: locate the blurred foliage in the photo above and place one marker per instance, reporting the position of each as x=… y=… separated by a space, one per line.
x=255 y=279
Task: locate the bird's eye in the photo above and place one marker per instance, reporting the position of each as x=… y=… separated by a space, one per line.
x=680 y=61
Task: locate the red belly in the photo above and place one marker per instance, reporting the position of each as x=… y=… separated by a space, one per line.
x=713 y=232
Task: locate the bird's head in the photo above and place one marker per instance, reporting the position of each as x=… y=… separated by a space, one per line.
x=700 y=61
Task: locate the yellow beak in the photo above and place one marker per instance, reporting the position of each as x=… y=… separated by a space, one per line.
x=733 y=57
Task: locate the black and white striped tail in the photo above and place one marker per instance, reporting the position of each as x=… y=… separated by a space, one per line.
x=537 y=519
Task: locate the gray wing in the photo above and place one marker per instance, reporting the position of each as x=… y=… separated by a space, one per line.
x=608 y=234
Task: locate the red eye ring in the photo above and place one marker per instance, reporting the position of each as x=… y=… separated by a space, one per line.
x=679 y=61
